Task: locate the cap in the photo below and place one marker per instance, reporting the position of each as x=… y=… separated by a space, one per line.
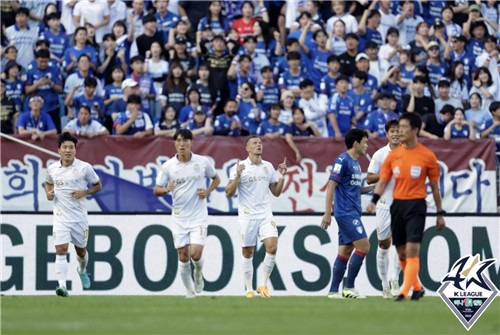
x=444 y=82
x=432 y=44
x=362 y=56
x=438 y=24
x=461 y=38
x=129 y=83
x=36 y=98
x=474 y=8
x=180 y=40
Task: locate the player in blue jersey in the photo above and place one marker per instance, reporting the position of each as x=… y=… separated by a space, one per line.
x=345 y=182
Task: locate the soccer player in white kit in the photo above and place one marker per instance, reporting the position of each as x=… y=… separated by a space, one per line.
x=383 y=214
x=254 y=178
x=66 y=185
x=185 y=175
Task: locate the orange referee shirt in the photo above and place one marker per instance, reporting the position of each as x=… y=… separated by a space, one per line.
x=410 y=168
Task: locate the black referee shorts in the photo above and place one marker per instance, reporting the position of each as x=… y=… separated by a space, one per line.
x=408 y=221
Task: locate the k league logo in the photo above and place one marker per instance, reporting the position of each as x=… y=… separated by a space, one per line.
x=466 y=290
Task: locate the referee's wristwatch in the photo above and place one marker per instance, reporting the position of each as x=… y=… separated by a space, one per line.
x=441 y=212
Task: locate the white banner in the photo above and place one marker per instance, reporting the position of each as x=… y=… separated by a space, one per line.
x=134 y=255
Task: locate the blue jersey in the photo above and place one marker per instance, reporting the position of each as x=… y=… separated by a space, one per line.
x=205 y=96
x=246 y=113
x=376 y=122
x=138 y=125
x=186 y=113
x=77 y=53
x=371 y=84
x=343 y=108
x=496 y=131
x=467 y=59
x=215 y=25
x=15 y=90
x=370 y=35
x=327 y=85
x=346 y=171
x=436 y=72
x=475 y=47
x=266 y=127
x=289 y=81
x=405 y=74
x=266 y=50
x=112 y=91
x=270 y=97
x=222 y=125
x=235 y=84
x=94 y=103
x=49 y=95
x=362 y=103
x=396 y=91
x=58 y=43
x=317 y=66
x=165 y=23
x=464 y=132
x=431 y=11
x=147 y=87
x=310 y=43
x=43 y=122
x=281 y=65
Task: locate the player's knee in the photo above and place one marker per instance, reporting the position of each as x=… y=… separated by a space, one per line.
x=272 y=249
x=364 y=247
x=61 y=249
x=81 y=252
x=247 y=252
x=196 y=256
x=385 y=244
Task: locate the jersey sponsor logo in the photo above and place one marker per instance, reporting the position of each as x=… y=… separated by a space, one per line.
x=466 y=290
x=359 y=229
x=415 y=171
x=336 y=168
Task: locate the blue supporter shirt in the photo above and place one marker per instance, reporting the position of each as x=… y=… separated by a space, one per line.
x=43 y=122
x=186 y=113
x=467 y=59
x=147 y=87
x=165 y=23
x=376 y=122
x=112 y=91
x=266 y=127
x=223 y=124
x=50 y=97
x=236 y=83
x=327 y=85
x=270 y=97
x=268 y=50
x=370 y=35
x=77 y=53
x=15 y=90
x=317 y=66
x=464 y=132
x=215 y=25
x=475 y=47
x=137 y=126
x=246 y=114
x=396 y=91
x=362 y=103
x=343 y=108
x=92 y=103
x=205 y=96
x=289 y=81
x=436 y=72
x=281 y=65
x=496 y=131
x=346 y=171
x=58 y=43
x=405 y=74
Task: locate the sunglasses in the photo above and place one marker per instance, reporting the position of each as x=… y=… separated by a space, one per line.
x=433 y=48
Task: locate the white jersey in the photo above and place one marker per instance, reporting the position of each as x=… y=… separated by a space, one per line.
x=67 y=180
x=188 y=177
x=375 y=164
x=253 y=189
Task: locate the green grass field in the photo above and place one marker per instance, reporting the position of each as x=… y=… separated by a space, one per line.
x=233 y=315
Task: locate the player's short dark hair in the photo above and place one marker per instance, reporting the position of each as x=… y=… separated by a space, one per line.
x=294 y=55
x=494 y=106
x=290 y=41
x=23 y=10
x=184 y=133
x=306 y=83
x=391 y=123
x=64 y=137
x=42 y=53
x=414 y=119
x=90 y=82
x=249 y=138
x=354 y=135
x=134 y=99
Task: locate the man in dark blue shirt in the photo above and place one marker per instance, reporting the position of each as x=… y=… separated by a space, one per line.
x=345 y=182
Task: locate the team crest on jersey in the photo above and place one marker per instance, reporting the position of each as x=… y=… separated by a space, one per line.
x=356 y=222
x=396 y=171
x=359 y=229
x=415 y=171
x=74 y=172
x=466 y=290
x=265 y=169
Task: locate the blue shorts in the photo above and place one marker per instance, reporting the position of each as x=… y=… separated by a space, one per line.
x=350 y=229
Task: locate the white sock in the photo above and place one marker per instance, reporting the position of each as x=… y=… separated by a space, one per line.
x=82 y=262
x=198 y=265
x=267 y=268
x=185 y=272
x=383 y=265
x=396 y=267
x=61 y=269
x=248 y=273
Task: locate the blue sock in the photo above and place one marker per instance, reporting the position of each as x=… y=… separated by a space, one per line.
x=338 y=271
x=355 y=263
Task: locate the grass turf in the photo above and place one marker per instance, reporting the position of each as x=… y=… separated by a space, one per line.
x=233 y=315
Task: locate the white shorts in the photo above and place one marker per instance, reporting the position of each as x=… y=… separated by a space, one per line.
x=189 y=232
x=74 y=232
x=251 y=229
x=383 y=223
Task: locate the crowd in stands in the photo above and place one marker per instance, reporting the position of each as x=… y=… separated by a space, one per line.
x=233 y=68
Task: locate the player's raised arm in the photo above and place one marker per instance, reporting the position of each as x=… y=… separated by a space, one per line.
x=276 y=188
x=233 y=181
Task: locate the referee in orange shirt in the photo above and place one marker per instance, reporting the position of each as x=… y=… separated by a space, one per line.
x=410 y=165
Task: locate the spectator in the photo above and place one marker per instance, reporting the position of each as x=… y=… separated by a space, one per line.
x=389 y=52
x=361 y=99
x=336 y=38
x=110 y=58
x=47 y=82
x=14 y=86
x=435 y=66
x=147 y=89
x=300 y=127
x=459 y=53
x=249 y=111
x=129 y=87
x=422 y=71
x=244 y=25
x=421 y=42
x=167 y=125
x=338 y=7
x=490 y=12
x=268 y=92
x=458 y=87
x=266 y=44
x=368 y=27
x=214 y=19
x=287 y=103
x=376 y=120
x=133 y=121
x=341 y=112
x=484 y=85
x=433 y=125
x=281 y=63
x=124 y=40
x=156 y=67
x=175 y=86
x=489 y=60
x=180 y=33
x=407 y=65
x=117 y=12
x=149 y=35
x=492 y=126
x=228 y=124
x=35 y=122
x=348 y=59
x=459 y=128
x=327 y=85
x=89 y=98
x=310 y=104
x=475 y=113
x=291 y=79
x=478 y=30
x=393 y=84
x=166 y=19
x=193 y=104
x=371 y=83
x=444 y=96
x=93 y=12
x=202 y=85
x=416 y=101
x=239 y=73
x=135 y=16
x=180 y=55
x=57 y=37
x=23 y=36
x=200 y=124
x=304 y=20
x=9 y=54
x=85 y=125
x=273 y=128
x=258 y=61
x=72 y=54
x=387 y=18
x=7 y=111
x=407 y=23
x=451 y=28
